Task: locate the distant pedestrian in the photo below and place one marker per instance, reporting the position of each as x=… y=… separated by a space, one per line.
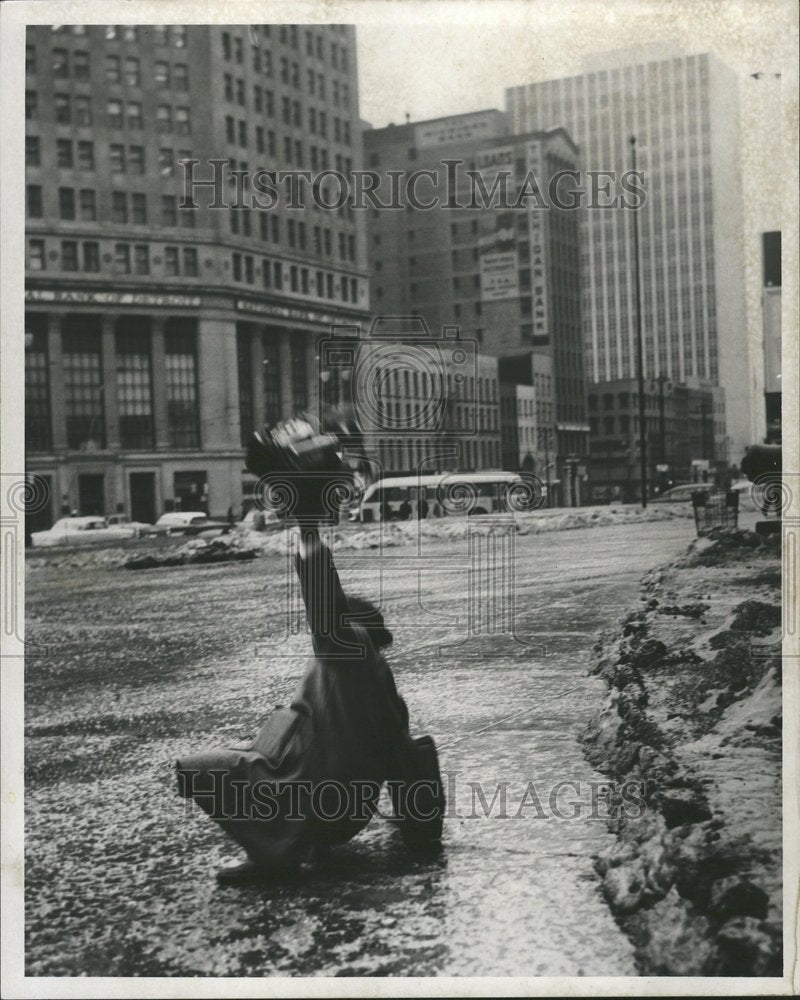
x=422 y=508
x=405 y=510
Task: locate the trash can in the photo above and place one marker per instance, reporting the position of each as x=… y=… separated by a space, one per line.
x=715 y=510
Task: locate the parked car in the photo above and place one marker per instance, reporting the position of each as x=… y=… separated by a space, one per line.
x=683 y=493
x=136 y=528
x=188 y=522
x=81 y=531
x=261 y=520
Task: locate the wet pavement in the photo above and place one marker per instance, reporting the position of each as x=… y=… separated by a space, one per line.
x=134 y=669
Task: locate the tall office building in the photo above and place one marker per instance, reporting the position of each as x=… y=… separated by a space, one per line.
x=684 y=113
x=157 y=336
x=504 y=271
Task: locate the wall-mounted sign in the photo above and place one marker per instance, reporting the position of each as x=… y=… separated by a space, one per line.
x=499 y=264
x=65 y=295
x=460 y=128
x=287 y=312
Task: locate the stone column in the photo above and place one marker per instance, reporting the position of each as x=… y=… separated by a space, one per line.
x=257 y=373
x=159 y=386
x=109 y=395
x=56 y=379
x=285 y=365
x=312 y=373
x=218 y=385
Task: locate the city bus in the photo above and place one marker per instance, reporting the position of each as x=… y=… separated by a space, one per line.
x=448 y=494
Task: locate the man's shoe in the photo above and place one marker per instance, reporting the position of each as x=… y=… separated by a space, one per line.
x=245 y=873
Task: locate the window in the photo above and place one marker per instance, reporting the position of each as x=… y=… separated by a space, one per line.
x=69 y=255
x=136 y=159
x=180 y=76
x=130 y=33
x=80 y=65
x=60 y=63
x=64 y=153
x=141 y=258
x=164 y=118
x=83 y=381
x=169 y=215
x=88 y=205
x=134 y=115
x=132 y=72
x=160 y=34
x=33 y=201
x=226 y=46
x=116 y=158
x=119 y=207
x=63 y=108
x=33 y=156
x=37 y=389
x=245 y=373
x=171 y=264
x=162 y=73
x=122 y=258
x=190 y=262
x=139 y=209
x=114 y=113
x=31 y=104
x=236 y=264
x=91 y=256
x=113 y=73
x=179 y=36
x=66 y=203
x=134 y=383
x=86 y=155
x=183 y=125
x=230 y=129
x=165 y=161
x=83 y=111
x=36 y=255
x=181 y=384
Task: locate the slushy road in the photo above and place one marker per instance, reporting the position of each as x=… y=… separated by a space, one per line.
x=132 y=669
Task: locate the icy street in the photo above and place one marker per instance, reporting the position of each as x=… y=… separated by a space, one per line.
x=134 y=668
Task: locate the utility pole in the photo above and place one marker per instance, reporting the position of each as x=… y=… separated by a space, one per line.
x=639 y=346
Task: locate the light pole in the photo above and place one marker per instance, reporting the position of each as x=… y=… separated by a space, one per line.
x=639 y=347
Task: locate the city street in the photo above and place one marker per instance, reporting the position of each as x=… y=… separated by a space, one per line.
x=133 y=669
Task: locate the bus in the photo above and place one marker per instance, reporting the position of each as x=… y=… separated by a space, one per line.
x=447 y=494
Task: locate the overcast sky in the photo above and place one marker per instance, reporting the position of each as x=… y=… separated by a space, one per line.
x=431 y=60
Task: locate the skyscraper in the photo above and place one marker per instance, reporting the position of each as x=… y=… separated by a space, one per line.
x=157 y=336
x=683 y=111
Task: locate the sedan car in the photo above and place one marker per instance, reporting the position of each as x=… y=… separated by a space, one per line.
x=80 y=531
x=188 y=522
x=683 y=493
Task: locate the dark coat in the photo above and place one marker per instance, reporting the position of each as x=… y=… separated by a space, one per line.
x=313 y=772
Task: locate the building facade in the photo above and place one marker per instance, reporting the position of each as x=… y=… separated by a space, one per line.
x=159 y=334
x=685 y=437
x=684 y=113
x=497 y=266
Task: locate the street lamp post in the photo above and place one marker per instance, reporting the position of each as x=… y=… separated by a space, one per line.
x=639 y=347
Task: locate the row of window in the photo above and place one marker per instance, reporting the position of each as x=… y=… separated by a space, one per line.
x=300 y=280
x=264 y=99
x=76 y=65
x=296 y=234
x=291 y=114
x=72 y=109
x=84 y=255
x=81 y=204
x=122 y=159
x=233 y=46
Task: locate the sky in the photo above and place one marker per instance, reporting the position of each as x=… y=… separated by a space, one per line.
x=430 y=60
